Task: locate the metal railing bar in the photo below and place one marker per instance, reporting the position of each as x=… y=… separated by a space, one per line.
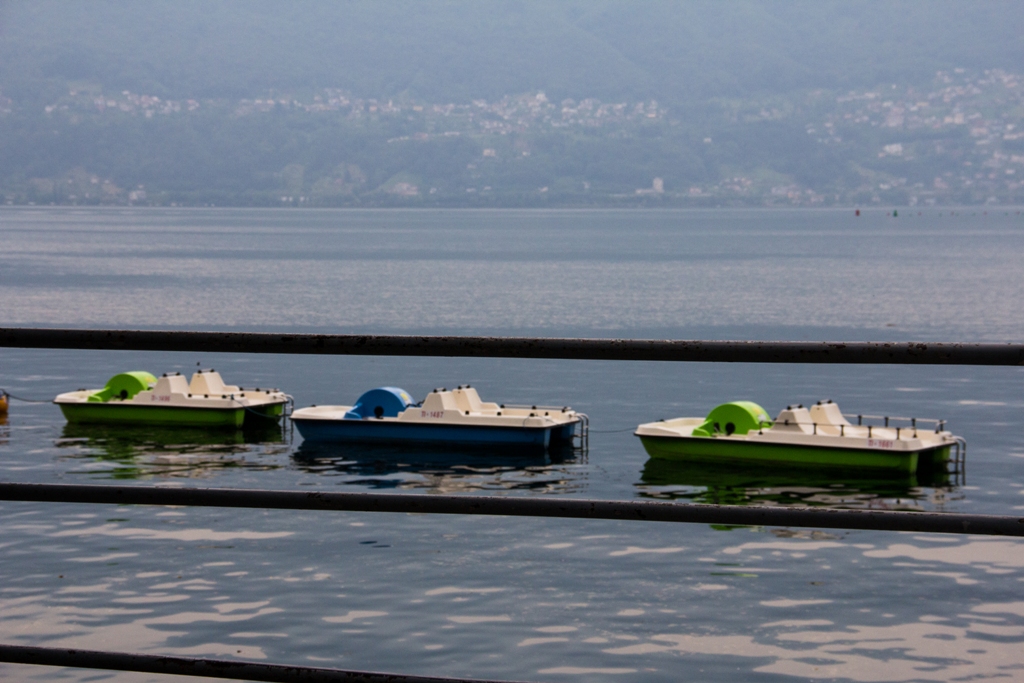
x=206 y=668
x=573 y=508
x=911 y=353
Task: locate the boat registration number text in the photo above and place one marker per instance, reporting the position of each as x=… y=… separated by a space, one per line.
x=881 y=443
x=432 y=413
x=161 y=399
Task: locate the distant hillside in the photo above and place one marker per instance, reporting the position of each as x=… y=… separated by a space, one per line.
x=458 y=50
x=957 y=139
x=511 y=102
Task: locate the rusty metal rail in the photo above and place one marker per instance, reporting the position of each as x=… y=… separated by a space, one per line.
x=571 y=508
x=909 y=353
x=207 y=668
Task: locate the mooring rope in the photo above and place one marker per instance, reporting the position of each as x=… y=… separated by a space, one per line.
x=8 y=394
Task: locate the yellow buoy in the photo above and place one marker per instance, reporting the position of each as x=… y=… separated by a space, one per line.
x=3 y=403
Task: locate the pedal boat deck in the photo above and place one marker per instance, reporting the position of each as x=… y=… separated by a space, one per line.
x=820 y=436
x=456 y=417
x=140 y=398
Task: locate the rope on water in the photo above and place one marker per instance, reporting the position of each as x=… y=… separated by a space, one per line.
x=24 y=400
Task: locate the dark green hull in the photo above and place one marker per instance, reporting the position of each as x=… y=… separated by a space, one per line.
x=712 y=450
x=126 y=413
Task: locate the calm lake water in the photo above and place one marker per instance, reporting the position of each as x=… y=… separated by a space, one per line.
x=539 y=600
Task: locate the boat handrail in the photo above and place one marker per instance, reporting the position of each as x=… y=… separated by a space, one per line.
x=887 y=418
x=940 y=425
x=582 y=431
x=960 y=459
x=560 y=409
x=842 y=427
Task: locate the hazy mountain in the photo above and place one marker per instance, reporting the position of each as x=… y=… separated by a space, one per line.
x=511 y=102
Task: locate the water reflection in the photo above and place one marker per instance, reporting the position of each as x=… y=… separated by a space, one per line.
x=760 y=485
x=969 y=646
x=446 y=471
x=133 y=451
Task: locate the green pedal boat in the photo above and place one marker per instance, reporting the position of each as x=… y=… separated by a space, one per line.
x=140 y=398
x=820 y=436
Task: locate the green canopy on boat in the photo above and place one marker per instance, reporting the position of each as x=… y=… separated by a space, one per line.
x=738 y=417
x=124 y=386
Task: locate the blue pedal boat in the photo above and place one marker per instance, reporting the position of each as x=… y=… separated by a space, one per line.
x=447 y=418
